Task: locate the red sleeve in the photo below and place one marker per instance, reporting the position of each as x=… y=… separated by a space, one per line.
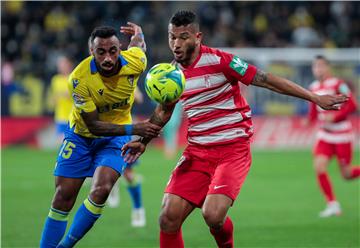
x=346 y=109
x=312 y=115
x=236 y=69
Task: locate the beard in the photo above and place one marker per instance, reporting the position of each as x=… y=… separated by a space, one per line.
x=107 y=72
x=187 y=55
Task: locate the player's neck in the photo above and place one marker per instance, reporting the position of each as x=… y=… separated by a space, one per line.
x=324 y=78
x=193 y=58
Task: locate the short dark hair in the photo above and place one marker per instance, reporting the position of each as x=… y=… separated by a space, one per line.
x=322 y=57
x=183 y=18
x=102 y=32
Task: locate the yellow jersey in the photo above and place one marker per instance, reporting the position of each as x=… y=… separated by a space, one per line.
x=63 y=103
x=111 y=96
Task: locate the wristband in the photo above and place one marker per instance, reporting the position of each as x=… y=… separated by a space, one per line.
x=128 y=129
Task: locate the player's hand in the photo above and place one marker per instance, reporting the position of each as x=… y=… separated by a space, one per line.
x=131 y=151
x=329 y=102
x=132 y=29
x=146 y=129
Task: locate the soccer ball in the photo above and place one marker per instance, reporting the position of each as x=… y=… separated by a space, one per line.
x=164 y=83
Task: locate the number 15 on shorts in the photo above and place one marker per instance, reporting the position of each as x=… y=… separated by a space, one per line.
x=67 y=149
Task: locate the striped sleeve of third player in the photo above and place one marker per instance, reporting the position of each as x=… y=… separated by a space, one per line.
x=217 y=113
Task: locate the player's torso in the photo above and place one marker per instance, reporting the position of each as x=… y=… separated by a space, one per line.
x=331 y=132
x=216 y=111
x=112 y=96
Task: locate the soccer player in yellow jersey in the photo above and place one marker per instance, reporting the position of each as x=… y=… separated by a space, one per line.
x=102 y=87
x=60 y=95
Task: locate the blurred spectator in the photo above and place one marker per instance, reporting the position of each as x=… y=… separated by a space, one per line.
x=60 y=96
x=34 y=34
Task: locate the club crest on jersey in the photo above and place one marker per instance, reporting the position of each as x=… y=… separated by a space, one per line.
x=101 y=92
x=130 y=79
x=75 y=83
x=238 y=65
x=207 y=81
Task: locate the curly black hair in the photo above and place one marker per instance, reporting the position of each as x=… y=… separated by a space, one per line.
x=102 y=32
x=183 y=18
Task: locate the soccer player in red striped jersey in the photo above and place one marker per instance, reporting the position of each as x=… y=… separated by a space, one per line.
x=215 y=163
x=335 y=136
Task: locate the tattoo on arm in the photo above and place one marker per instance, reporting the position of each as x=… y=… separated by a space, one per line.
x=160 y=117
x=156 y=119
x=260 y=78
x=138 y=41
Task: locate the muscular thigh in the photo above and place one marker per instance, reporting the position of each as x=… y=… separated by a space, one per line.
x=74 y=158
x=189 y=184
x=343 y=153
x=231 y=170
x=323 y=148
x=175 y=208
x=191 y=177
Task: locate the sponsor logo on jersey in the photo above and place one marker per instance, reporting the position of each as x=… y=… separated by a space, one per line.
x=75 y=83
x=238 y=65
x=108 y=107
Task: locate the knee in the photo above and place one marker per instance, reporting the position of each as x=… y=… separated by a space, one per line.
x=99 y=193
x=214 y=218
x=346 y=174
x=63 y=199
x=169 y=222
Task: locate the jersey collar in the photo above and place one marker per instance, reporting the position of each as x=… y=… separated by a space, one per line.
x=93 y=67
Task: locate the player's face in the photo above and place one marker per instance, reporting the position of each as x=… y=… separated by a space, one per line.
x=183 y=41
x=320 y=69
x=106 y=53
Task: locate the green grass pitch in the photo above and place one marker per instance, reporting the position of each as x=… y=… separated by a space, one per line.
x=277 y=207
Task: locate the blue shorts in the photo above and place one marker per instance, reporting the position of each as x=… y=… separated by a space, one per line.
x=80 y=156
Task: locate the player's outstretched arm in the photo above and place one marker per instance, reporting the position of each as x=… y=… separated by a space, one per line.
x=137 y=36
x=287 y=87
x=132 y=150
x=101 y=128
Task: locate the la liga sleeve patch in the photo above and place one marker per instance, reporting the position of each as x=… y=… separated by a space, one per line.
x=239 y=65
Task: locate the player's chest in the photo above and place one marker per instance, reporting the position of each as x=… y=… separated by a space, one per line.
x=203 y=79
x=325 y=91
x=110 y=91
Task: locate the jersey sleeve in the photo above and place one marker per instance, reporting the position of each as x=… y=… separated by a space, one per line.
x=137 y=59
x=236 y=69
x=80 y=95
x=348 y=107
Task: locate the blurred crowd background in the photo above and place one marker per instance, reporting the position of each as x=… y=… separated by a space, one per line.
x=35 y=34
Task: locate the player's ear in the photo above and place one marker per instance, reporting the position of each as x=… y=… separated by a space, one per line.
x=198 y=37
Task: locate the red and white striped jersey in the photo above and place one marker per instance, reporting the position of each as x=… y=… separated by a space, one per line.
x=217 y=113
x=340 y=129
